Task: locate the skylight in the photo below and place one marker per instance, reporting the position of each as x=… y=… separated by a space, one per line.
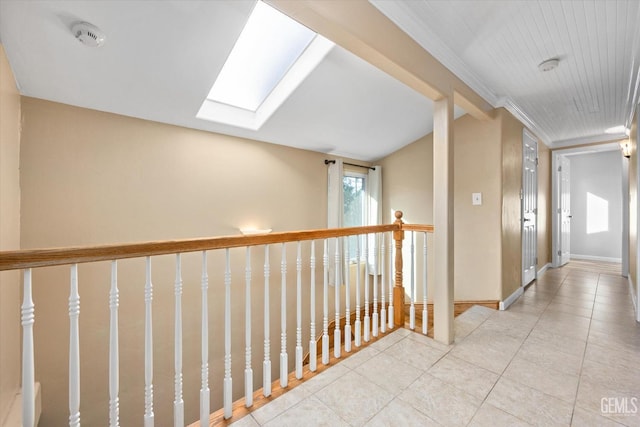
x=272 y=56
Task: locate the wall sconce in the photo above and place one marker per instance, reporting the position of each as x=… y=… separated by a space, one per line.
x=254 y=231
x=626 y=148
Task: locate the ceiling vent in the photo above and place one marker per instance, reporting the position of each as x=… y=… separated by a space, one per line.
x=88 y=34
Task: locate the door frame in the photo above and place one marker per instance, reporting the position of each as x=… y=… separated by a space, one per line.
x=555 y=190
x=524 y=282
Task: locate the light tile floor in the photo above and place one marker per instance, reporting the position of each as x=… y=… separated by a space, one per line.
x=568 y=343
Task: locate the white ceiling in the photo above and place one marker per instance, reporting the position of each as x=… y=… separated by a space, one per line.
x=161 y=57
x=496 y=45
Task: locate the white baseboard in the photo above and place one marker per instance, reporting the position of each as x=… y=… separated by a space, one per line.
x=543 y=269
x=511 y=298
x=595 y=258
x=635 y=297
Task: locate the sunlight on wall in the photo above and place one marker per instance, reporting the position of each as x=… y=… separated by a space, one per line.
x=597 y=214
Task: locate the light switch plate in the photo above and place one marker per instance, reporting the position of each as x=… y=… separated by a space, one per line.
x=476 y=199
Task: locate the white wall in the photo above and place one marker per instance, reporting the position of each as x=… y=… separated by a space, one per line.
x=596 y=176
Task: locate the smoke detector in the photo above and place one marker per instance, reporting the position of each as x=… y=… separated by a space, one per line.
x=88 y=34
x=549 y=64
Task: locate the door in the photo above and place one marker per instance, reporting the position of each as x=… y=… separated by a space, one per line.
x=529 y=207
x=564 y=210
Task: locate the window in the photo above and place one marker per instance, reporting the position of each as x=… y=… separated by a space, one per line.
x=355 y=212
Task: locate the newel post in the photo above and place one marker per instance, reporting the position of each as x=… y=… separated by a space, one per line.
x=398 y=289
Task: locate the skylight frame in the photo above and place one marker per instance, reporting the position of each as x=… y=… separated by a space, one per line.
x=227 y=113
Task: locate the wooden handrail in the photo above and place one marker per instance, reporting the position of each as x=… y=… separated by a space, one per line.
x=31 y=258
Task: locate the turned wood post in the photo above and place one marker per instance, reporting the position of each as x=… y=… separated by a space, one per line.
x=398 y=289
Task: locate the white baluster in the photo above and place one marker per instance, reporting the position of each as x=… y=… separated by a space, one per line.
x=375 y=319
x=313 y=365
x=178 y=402
x=148 y=348
x=28 y=371
x=367 y=318
x=325 y=305
x=391 y=278
x=204 y=346
x=425 y=309
x=248 y=371
x=284 y=358
x=347 y=297
x=358 y=323
x=228 y=383
x=299 y=312
x=383 y=310
x=266 y=365
x=412 y=310
x=114 y=352
x=74 y=350
x=338 y=284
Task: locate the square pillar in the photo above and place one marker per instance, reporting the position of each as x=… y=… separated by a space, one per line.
x=443 y=219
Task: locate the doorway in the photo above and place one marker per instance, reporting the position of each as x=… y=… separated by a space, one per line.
x=529 y=207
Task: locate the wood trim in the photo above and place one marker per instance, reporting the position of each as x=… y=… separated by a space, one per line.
x=31 y=258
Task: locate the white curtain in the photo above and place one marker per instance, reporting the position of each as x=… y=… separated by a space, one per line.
x=374 y=215
x=335 y=212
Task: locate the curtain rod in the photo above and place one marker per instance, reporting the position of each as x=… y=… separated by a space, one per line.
x=326 y=162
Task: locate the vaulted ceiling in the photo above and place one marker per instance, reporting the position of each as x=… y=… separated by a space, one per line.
x=161 y=58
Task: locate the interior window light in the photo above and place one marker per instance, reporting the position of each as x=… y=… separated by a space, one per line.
x=272 y=56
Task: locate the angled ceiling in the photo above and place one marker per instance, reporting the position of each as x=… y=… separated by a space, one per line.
x=161 y=58
x=495 y=46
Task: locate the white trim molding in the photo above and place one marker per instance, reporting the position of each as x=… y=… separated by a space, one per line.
x=511 y=298
x=635 y=298
x=595 y=258
x=543 y=270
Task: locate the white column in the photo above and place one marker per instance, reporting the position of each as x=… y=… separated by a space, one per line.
x=425 y=308
x=28 y=371
x=412 y=309
x=383 y=310
x=284 y=358
x=391 y=283
x=312 y=309
x=228 y=382
x=178 y=402
x=338 y=284
x=266 y=364
x=148 y=348
x=325 y=305
x=204 y=345
x=74 y=350
x=367 y=318
x=248 y=371
x=114 y=352
x=347 y=296
x=375 y=319
x=358 y=322
x=299 y=311
x=443 y=164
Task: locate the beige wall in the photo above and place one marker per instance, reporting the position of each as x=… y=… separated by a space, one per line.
x=544 y=205
x=477 y=244
x=408 y=185
x=633 y=205
x=9 y=235
x=511 y=185
x=91 y=177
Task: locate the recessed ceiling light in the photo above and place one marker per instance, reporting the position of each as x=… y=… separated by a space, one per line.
x=548 y=65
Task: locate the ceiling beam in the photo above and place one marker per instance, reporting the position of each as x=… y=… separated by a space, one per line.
x=359 y=27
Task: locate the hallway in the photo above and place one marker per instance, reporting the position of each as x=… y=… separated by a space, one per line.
x=566 y=353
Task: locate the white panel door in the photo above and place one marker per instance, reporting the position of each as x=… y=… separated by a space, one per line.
x=529 y=207
x=564 y=210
